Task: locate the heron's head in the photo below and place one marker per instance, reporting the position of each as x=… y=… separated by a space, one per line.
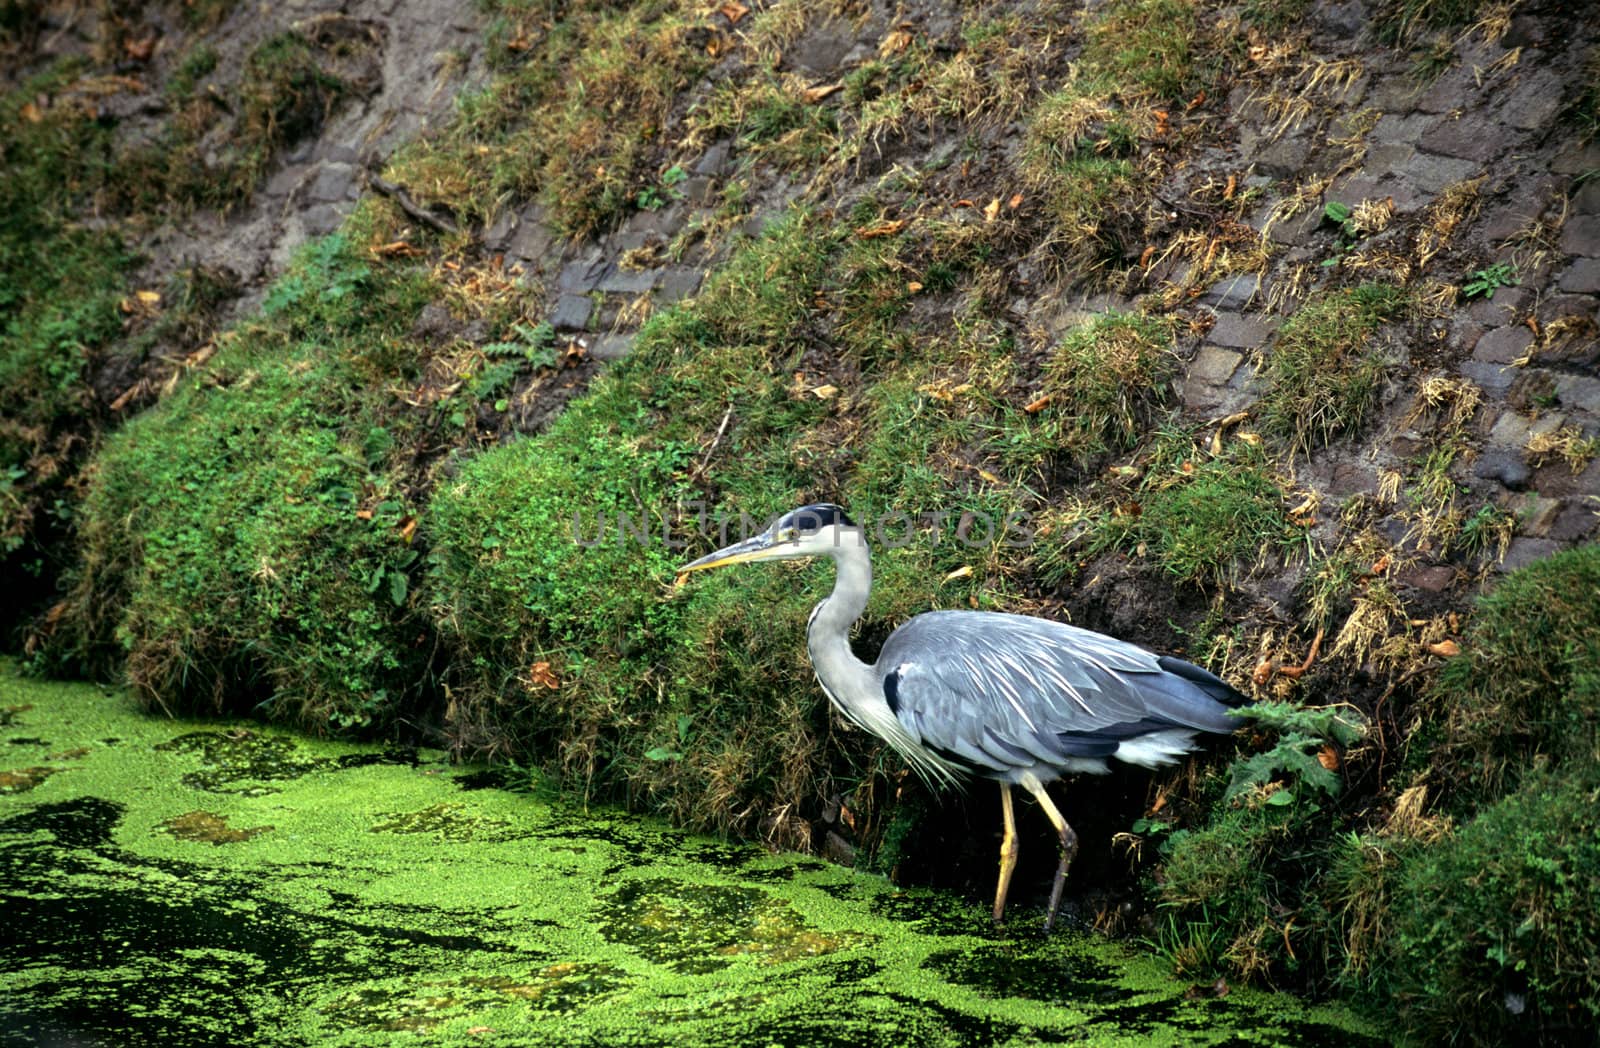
x=811 y=531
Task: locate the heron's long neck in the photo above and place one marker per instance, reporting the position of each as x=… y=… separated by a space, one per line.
x=847 y=680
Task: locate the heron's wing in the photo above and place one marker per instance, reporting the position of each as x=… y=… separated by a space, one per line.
x=1010 y=691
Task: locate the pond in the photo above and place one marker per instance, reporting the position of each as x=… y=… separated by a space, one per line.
x=194 y=883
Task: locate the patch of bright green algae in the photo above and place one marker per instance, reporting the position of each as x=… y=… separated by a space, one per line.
x=184 y=884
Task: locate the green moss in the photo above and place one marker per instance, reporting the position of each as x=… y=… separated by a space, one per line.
x=1148 y=43
x=1322 y=375
x=1496 y=931
x=240 y=542
x=1525 y=691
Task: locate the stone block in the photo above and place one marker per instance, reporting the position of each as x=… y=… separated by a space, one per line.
x=1213 y=366
x=1468 y=138
x=571 y=313
x=618 y=281
x=1582 y=277
x=1581 y=235
x=1494 y=378
x=1503 y=345
x=1525 y=550
x=1232 y=293
x=1511 y=429
x=1430 y=172
x=1238 y=332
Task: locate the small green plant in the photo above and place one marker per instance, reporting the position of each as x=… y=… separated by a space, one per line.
x=1487 y=281
x=653 y=198
x=1295 y=759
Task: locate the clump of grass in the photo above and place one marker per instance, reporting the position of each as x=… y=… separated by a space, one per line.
x=1081 y=153
x=1148 y=43
x=1199 y=519
x=575 y=117
x=1322 y=375
x=1104 y=378
x=1526 y=687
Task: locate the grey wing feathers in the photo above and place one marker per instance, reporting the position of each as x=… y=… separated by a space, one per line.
x=1003 y=692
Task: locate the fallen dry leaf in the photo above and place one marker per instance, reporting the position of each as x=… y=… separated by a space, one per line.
x=1445 y=649
x=990 y=477
x=963 y=572
x=992 y=211
x=1015 y=201
x=825 y=392
x=813 y=95
x=408 y=528
x=1328 y=758
x=541 y=675
x=733 y=11
x=1038 y=405
x=881 y=229
x=894 y=43
x=913 y=286
x=31 y=113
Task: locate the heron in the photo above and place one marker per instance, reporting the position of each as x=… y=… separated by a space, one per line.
x=1014 y=698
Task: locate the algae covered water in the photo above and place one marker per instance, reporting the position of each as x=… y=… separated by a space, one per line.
x=182 y=883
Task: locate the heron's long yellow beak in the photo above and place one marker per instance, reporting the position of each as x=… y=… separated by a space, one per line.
x=757 y=548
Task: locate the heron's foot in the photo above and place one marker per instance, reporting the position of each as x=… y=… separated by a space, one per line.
x=1069 y=849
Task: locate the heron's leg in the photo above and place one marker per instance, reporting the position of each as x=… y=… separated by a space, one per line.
x=1008 y=852
x=1069 y=844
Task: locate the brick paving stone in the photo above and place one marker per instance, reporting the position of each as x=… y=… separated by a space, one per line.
x=1581 y=235
x=1233 y=292
x=1503 y=345
x=678 y=283
x=1578 y=520
x=1238 y=332
x=1580 y=392
x=619 y=281
x=1431 y=173
x=571 y=312
x=1470 y=138
x=1495 y=379
x=1525 y=551
x=1582 y=277
x=1214 y=366
x=1535 y=101
x=1506 y=465
x=1511 y=429
x=1537 y=515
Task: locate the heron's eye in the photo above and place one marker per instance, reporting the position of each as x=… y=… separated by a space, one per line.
x=787 y=535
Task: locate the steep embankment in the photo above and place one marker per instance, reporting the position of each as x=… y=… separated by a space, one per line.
x=1270 y=329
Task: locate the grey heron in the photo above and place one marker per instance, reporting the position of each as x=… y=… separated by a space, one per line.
x=1014 y=698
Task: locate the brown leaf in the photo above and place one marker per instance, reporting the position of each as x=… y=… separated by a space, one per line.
x=1015 y=201
x=540 y=675
x=813 y=95
x=408 y=528
x=363 y=514
x=894 y=43
x=993 y=210
x=913 y=286
x=139 y=50
x=1445 y=648
x=396 y=248
x=1037 y=405
x=1198 y=100
x=1328 y=757
x=963 y=572
x=825 y=392
x=882 y=229
x=733 y=11
x=31 y=113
